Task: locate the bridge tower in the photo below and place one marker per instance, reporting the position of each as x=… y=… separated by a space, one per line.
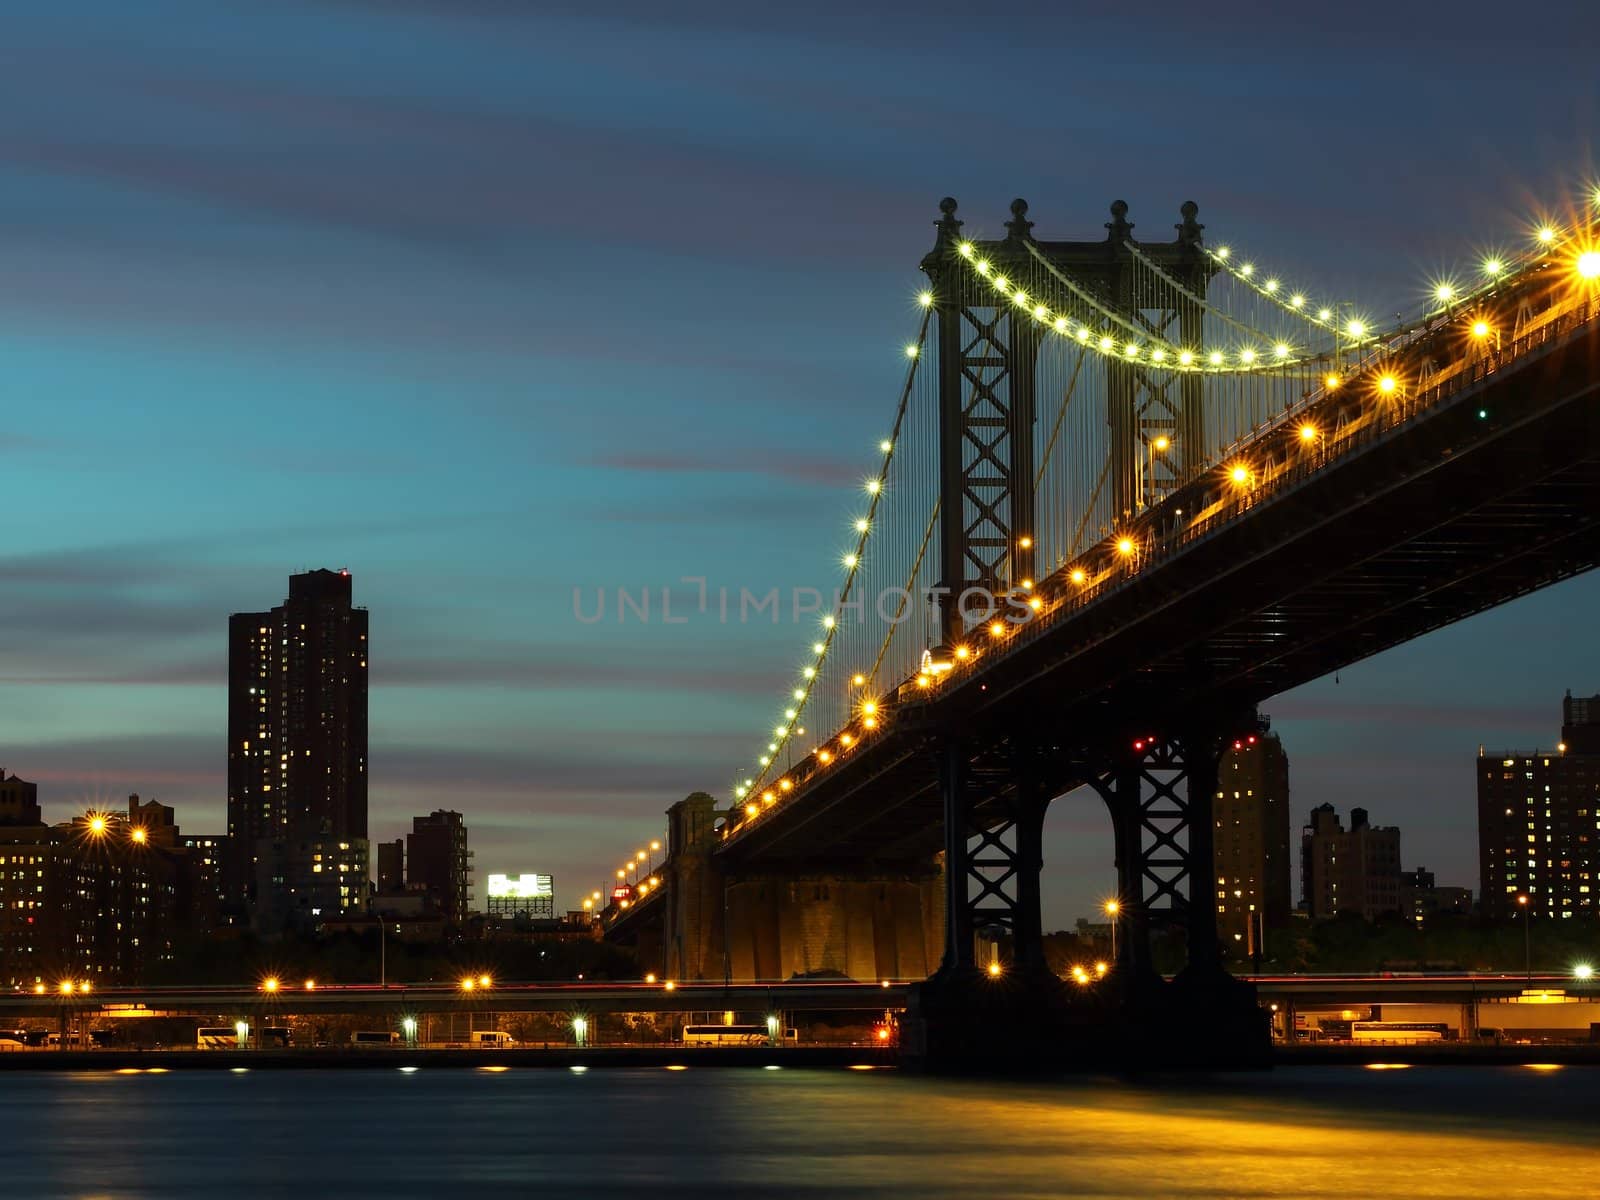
x=1158 y=780
x=987 y=359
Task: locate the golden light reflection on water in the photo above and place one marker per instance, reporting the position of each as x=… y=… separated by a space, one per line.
x=1446 y=1137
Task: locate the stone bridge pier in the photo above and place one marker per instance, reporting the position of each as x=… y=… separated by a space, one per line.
x=864 y=921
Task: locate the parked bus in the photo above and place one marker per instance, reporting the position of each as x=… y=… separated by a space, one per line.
x=725 y=1035
x=373 y=1037
x=1398 y=1031
x=492 y=1037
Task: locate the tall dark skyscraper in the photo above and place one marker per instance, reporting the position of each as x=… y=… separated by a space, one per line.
x=1251 y=850
x=297 y=735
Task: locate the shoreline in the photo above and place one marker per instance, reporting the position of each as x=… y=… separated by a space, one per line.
x=744 y=1057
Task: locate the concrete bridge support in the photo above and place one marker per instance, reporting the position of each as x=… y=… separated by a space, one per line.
x=866 y=922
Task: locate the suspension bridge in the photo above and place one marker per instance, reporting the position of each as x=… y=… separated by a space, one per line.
x=1130 y=490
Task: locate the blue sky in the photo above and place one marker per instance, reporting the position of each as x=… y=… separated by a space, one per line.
x=489 y=300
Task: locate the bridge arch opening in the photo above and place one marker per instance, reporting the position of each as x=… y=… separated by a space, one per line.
x=1078 y=881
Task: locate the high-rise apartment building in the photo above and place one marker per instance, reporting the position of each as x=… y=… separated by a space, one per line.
x=1251 y=848
x=1354 y=870
x=91 y=900
x=1539 y=822
x=437 y=862
x=297 y=740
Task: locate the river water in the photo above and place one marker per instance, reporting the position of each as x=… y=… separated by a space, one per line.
x=1448 y=1132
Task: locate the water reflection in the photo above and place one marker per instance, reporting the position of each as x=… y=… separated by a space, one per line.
x=1335 y=1132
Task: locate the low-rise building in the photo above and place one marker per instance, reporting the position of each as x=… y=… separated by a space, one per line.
x=1421 y=897
x=1349 y=870
x=305 y=881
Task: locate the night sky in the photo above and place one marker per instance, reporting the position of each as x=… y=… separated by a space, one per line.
x=487 y=301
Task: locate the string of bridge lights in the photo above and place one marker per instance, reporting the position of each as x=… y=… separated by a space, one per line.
x=1121 y=548
x=1177 y=286
x=1142 y=346
x=790 y=726
x=1444 y=294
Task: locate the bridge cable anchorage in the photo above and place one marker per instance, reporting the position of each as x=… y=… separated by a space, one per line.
x=803 y=694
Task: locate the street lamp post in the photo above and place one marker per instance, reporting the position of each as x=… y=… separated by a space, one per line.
x=1112 y=909
x=1527 y=938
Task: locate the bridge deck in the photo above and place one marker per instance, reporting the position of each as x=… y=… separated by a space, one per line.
x=1457 y=500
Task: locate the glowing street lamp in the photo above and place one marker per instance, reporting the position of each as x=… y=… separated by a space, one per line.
x=468 y=983
x=408 y=1026
x=580 y=1030
x=269 y=984
x=1583 y=972
x=1527 y=936
x=1113 y=907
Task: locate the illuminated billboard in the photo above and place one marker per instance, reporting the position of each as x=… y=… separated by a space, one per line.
x=521 y=887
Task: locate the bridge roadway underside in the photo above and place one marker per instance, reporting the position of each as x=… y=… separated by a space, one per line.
x=1441 y=517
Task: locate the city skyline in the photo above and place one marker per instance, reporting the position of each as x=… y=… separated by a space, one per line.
x=407 y=272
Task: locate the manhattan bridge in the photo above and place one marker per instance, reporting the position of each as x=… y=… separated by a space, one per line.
x=1131 y=488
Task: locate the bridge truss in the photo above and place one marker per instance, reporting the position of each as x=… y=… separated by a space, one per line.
x=1073 y=415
